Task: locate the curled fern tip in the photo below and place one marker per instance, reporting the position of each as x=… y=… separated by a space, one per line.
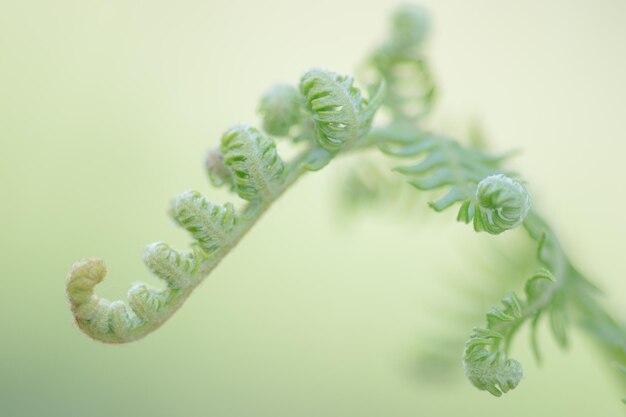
x=500 y=204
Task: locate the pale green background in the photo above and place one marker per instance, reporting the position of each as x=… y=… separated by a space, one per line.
x=106 y=108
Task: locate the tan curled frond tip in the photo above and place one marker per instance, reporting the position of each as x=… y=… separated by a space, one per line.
x=115 y=322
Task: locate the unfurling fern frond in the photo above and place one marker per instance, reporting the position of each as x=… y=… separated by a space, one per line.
x=492 y=200
x=246 y=159
x=500 y=204
x=446 y=163
x=98 y=317
x=328 y=116
x=214 y=228
x=248 y=163
x=485 y=359
x=341 y=115
x=487 y=370
x=497 y=266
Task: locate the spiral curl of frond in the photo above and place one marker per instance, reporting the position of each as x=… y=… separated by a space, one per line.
x=247 y=162
x=341 y=115
x=500 y=204
x=486 y=370
x=486 y=366
x=213 y=228
x=246 y=159
x=484 y=359
x=111 y=322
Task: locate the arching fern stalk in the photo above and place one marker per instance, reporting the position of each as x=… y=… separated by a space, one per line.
x=328 y=108
x=327 y=116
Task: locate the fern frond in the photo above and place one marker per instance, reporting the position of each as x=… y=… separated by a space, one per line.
x=445 y=163
x=493 y=267
x=500 y=204
x=485 y=360
x=487 y=370
x=492 y=200
x=248 y=163
x=98 y=317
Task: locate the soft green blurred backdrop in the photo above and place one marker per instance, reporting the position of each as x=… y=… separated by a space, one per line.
x=106 y=109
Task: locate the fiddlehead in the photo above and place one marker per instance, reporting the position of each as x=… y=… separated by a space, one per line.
x=247 y=162
x=491 y=199
x=500 y=204
x=446 y=163
x=490 y=371
x=485 y=357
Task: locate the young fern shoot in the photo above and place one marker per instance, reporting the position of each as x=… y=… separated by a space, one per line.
x=337 y=116
x=326 y=115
